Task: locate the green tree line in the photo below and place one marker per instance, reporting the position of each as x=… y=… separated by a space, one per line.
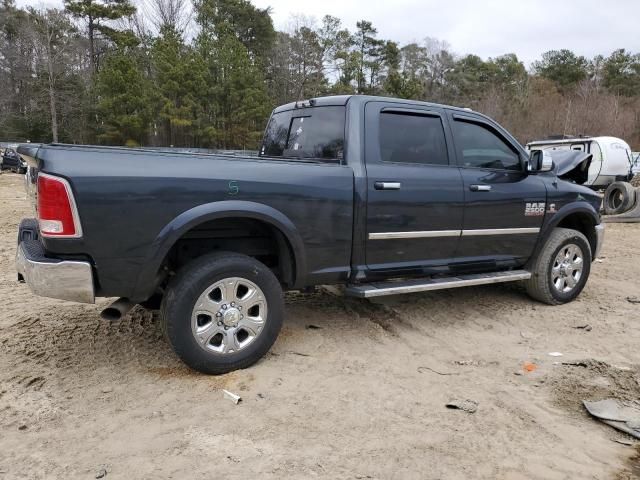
x=207 y=74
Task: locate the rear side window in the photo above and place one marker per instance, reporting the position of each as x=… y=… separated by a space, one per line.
x=316 y=132
x=410 y=138
x=479 y=147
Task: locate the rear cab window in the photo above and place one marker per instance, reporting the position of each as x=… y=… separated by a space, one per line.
x=412 y=138
x=314 y=133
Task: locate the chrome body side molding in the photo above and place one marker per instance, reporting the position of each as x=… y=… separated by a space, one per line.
x=423 y=234
x=452 y=233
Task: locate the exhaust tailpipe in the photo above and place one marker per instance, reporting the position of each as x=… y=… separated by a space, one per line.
x=117 y=309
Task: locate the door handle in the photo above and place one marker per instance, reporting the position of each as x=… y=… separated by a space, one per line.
x=387 y=185
x=480 y=188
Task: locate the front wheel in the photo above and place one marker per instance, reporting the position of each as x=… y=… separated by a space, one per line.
x=222 y=312
x=561 y=268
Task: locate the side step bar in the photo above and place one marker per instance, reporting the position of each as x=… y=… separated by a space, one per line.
x=369 y=290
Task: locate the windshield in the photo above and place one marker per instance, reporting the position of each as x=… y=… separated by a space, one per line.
x=316 y=132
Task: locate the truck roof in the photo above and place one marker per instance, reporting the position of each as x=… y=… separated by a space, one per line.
x=340 y=100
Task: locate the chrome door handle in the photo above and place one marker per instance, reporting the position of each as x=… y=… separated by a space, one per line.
x=480 y=188
x=387 y=185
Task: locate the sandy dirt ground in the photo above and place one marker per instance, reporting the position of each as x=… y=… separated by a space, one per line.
x=351 y=389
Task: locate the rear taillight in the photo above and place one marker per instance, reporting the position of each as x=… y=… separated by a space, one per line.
x=57 y=213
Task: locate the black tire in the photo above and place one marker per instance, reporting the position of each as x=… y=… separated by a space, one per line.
x=191 y=282
x=618 y=198
x=540 y=286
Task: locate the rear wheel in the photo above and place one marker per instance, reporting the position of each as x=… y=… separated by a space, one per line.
x=222 y=312
x=561 y=269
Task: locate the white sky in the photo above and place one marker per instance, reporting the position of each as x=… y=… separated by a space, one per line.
x=485 y=27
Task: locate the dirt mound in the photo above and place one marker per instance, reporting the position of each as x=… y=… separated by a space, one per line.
x=594 y=380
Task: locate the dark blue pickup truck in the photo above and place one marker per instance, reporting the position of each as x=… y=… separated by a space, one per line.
x=384 y=196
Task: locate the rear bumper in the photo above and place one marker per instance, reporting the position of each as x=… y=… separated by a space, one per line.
x=52 y=277
x=599 y=240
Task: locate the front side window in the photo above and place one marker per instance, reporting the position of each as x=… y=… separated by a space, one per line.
x=410 y=138
x=479 y=147
x=316 y=132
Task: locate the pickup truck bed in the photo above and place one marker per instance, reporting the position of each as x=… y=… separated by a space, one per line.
x=136 y=204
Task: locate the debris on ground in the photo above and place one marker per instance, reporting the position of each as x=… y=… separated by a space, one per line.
x=311 y=326
x=586 y=328
x=624 y=441
x=475 y=363
x=635 y=300
x=422 y=369
x=101 y=473
x=232 y=396
x=621 y=416
x=582 y=364
x=469 y=406
x=555 y=354
x=529 y=367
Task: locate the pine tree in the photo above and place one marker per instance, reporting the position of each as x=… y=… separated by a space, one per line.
x=179 y=79
x=124 y=100
x=97 y=13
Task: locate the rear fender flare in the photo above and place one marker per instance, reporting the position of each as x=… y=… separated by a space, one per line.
x=189 y=219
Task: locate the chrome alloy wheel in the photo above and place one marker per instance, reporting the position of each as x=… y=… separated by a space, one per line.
x=567 y=268
x=229 y=315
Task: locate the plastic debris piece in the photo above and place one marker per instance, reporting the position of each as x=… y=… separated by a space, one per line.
x=529 y=367
x=232 y=396
x=555 y=354
x=616 y=414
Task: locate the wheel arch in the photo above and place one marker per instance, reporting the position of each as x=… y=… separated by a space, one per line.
x=224 y=210
x=580 y=217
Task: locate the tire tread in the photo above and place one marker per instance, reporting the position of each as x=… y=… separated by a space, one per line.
x=539 y=285
x=184 y=284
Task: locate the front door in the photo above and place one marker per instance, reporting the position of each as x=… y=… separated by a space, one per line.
x=504 y=205
x=414 y=193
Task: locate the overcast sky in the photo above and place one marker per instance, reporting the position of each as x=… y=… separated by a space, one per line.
x=484 y=27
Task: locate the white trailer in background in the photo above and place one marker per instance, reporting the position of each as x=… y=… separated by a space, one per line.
x=612 y=157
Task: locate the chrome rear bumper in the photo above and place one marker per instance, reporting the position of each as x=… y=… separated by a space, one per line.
x=54 y=278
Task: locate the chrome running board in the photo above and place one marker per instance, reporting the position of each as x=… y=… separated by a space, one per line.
x=380 y=289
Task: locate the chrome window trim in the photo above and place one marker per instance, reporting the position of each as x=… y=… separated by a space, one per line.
x=452 y=233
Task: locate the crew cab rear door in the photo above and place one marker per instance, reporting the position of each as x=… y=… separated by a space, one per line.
x=414 y=191
x=504 y=205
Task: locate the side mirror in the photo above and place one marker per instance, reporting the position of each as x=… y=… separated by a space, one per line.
x=540 y=161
